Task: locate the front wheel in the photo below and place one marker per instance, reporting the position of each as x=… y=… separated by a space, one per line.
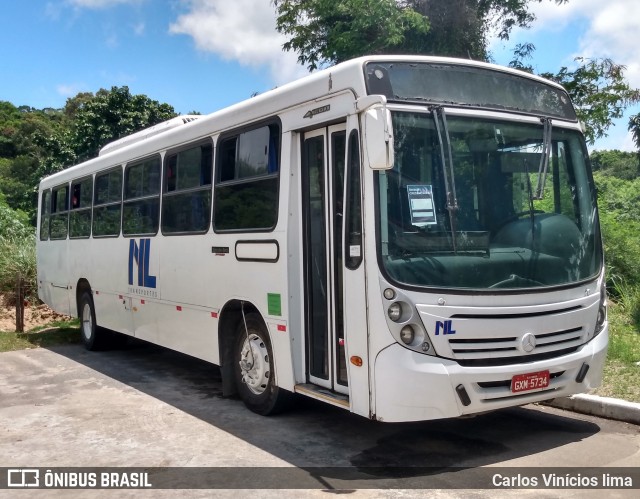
x=253 y=368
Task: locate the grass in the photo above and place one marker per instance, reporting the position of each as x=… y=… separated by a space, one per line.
x=55 y=333
x=621 y=371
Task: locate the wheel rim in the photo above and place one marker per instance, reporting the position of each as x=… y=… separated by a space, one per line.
x=255 y=368
x=87 y=321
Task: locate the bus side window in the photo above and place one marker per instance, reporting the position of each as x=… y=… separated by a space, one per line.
x=247 y=180
x=186 y=200
x=60 y=212
x=80 y=214
x=141 y=204
x=45 y=215
x=107 y=203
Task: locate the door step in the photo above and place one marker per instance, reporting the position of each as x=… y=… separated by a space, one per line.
x=319 y=393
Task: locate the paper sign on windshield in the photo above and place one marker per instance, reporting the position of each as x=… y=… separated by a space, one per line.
x=421 y=205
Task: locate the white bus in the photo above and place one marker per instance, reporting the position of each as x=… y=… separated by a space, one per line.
x=408 y=238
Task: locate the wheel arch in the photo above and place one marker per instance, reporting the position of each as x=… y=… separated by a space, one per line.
x=81 y=287
x=230 y=318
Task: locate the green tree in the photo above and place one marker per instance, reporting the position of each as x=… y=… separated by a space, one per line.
x=619 y=164
x=619 y=204
x=29 y=140
x=326 y=32
x=599 y=92
x=634 y=128
x=109 y=115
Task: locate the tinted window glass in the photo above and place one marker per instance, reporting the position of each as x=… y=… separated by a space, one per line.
x=246 y=194
x=187 y=198
x=141 y=206
x=45 y=212
x=59 y=213
x=107 y=203
x=80 y=216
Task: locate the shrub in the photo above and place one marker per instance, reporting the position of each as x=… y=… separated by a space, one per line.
x=17 y=251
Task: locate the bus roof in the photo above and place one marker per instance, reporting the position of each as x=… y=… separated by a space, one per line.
x=346 y=76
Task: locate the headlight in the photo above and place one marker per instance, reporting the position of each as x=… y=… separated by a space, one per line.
x=395 y=312
x=407 y=334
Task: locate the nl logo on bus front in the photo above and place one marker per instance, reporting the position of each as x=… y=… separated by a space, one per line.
x=139 y=257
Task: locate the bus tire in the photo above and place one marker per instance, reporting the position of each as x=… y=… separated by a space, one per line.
x=253 y=369
x=93 y=337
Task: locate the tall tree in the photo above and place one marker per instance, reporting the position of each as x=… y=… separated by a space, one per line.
x=325 y=32
x=634 y=128
x=109 y=115
x=35 y=143
x=600 y=93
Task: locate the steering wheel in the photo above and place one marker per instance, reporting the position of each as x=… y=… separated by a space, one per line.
x=516 y=216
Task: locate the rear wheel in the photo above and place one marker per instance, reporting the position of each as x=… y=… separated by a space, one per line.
x=93 y=337
x=253 y=368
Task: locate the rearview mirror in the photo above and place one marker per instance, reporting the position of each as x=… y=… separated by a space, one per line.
x=377 y=132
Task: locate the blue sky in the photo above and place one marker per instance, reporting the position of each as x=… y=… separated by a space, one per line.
x=203 y=55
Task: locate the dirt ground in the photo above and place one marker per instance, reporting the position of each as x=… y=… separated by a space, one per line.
x=34 y=315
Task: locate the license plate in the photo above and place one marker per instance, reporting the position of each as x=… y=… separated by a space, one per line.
x=530 y=381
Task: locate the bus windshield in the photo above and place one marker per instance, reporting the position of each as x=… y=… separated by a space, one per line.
x=485 y=204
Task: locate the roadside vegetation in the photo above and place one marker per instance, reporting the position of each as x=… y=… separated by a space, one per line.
x=55 y=333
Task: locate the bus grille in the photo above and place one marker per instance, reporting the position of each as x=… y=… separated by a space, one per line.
x=504 y=351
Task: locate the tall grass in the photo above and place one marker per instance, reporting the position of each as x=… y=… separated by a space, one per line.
x=18 y=261
x=17 y=251
x=627 y=297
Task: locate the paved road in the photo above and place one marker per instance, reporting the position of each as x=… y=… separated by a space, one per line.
x=145 y=406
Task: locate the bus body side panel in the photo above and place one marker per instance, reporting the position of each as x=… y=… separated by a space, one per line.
x=295 y=271
x=356 y=308
x=106 y=270
x=53 y=276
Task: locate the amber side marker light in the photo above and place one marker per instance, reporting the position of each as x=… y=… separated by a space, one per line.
x=356 y=361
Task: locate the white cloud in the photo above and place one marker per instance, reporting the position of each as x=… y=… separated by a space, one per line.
x=602 y=28
x=240 y=30
x=612 y=29
x=70 y=89
x=139 y=28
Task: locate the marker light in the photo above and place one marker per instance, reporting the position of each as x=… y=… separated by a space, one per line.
x=389 y=294
x=394 y=312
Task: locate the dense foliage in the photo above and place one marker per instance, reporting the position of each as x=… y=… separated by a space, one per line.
x=35 y=143
x=17 y=249
x=325 y=32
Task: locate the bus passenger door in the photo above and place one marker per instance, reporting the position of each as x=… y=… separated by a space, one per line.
x=323 y=162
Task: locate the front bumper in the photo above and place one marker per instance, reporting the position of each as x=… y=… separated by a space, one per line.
x=410 y=386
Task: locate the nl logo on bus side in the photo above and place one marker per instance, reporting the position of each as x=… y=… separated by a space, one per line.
x=139 y=255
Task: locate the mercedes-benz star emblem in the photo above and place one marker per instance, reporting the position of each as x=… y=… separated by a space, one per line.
x=528 y=342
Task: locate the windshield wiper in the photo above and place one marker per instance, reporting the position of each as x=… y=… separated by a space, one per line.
x=544 y=159
x=449 y=184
